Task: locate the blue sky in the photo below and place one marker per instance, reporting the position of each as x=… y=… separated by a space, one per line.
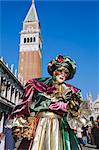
x=68 y=27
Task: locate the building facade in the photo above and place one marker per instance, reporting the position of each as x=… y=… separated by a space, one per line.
x=11 y=90
x=30 y=46
x=94 y=106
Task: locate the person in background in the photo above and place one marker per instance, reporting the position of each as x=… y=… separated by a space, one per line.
x=9 y=140
x=84 y=134
x=79 y=136
x=95 y=134
x=2 y=141
x=89 y=134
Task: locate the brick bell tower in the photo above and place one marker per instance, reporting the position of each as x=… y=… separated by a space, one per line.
x=30 y=46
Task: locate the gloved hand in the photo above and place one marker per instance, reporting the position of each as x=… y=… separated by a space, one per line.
x=59 y=105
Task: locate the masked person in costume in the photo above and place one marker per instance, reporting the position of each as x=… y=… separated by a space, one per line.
x=42 y=121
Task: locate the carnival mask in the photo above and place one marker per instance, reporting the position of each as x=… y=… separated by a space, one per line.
x=61 y=74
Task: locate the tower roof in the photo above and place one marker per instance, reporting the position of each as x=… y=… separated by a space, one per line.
x=32 y=14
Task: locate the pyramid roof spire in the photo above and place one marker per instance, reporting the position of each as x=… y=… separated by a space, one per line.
x=32 y=1
x=32 y=14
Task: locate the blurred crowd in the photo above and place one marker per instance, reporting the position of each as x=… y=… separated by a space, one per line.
x=89 y=134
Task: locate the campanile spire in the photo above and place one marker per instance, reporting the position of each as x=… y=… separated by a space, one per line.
x=32 y=1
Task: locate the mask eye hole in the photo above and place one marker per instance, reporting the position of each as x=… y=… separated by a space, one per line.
x=57 y=72
x=67 y=72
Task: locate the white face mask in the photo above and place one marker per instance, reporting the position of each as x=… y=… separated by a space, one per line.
x=60 y=78
x=61 y=74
